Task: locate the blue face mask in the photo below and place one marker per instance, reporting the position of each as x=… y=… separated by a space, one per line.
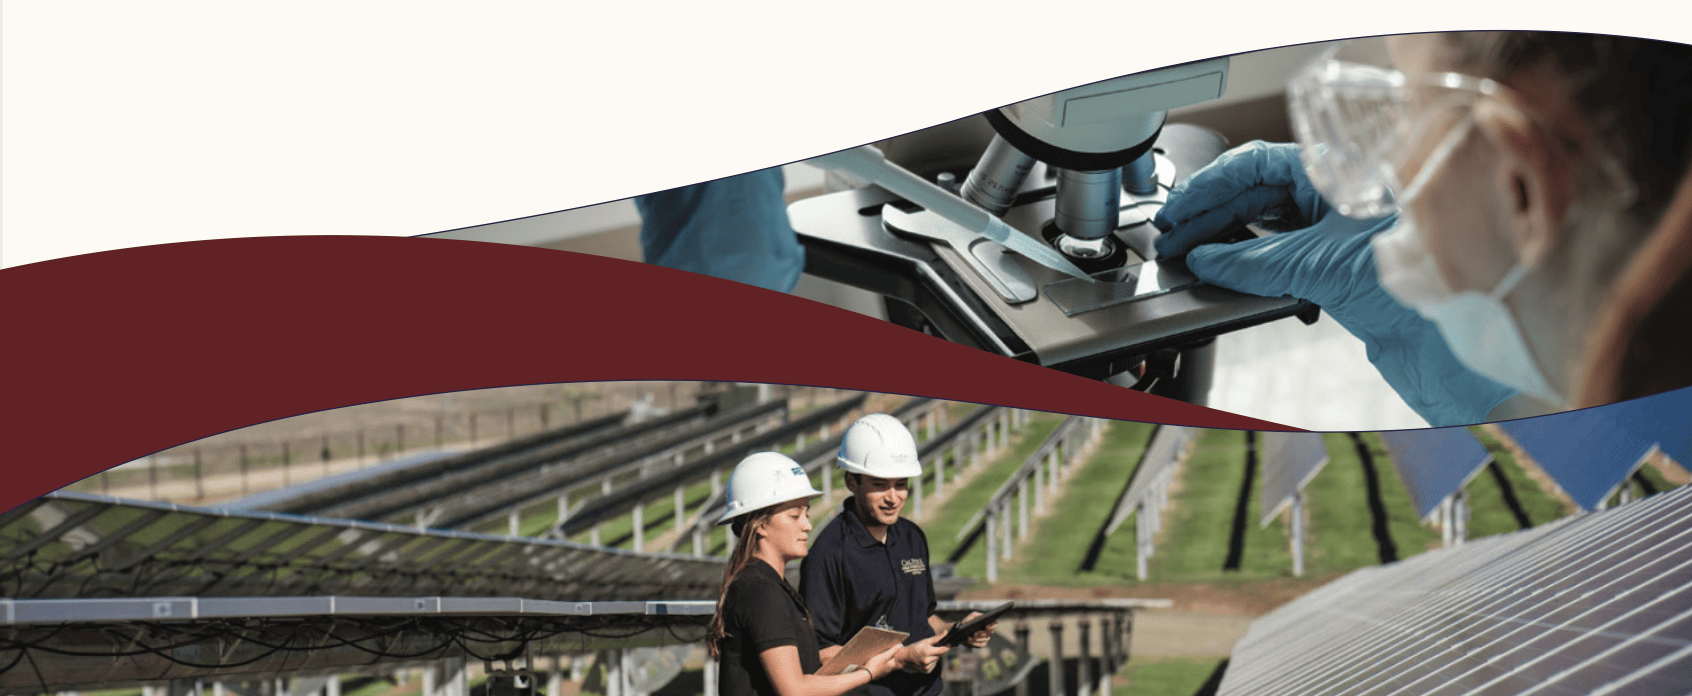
x=1479 y=327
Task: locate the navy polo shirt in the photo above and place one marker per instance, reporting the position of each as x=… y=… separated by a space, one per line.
x=849 y=581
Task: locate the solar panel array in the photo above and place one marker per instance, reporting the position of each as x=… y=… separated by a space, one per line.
x=1435 y=463
x=1598 y=603
x=68 y=545
x=1157 y=465
x=1290 y=460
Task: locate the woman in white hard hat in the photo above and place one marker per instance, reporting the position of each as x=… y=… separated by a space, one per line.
x=762 y=633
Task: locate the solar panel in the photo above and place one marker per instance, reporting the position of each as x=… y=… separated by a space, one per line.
x=1434 y=463
x=1290 y=460
x=69 y=545
x=1665 y=419
x=1588 y=452
x=1594 y=603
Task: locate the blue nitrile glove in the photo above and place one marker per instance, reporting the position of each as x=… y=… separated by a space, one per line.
x=1320 y=256
x=734 y=228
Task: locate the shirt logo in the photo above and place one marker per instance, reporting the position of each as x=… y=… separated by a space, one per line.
x=913 y=566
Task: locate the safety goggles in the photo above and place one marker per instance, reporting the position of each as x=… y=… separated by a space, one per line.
x=1372 y=136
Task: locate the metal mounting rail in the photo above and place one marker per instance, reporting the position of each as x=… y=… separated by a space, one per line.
x=621 y=500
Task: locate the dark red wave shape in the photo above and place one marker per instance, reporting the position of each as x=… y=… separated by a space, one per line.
x=112 y=356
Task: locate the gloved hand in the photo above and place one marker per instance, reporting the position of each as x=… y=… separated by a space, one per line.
x=1320 y=256
x=734 y=228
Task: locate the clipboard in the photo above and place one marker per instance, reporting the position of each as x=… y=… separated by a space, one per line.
x=869 y=642
x=962 y=630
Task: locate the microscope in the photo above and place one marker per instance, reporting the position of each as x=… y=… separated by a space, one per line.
x=1079 y=174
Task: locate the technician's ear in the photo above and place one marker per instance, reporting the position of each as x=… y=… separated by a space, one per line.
x=1534 y=179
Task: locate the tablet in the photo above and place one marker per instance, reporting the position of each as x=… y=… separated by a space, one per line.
x=960 y=631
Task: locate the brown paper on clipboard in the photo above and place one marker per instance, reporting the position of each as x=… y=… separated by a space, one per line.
x=869 y=642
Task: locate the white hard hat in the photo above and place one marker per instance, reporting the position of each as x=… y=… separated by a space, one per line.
x=879 y=445
x=763 y=479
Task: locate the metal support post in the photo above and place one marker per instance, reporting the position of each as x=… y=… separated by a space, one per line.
x=1055 y=673
x=1107 y=656
x=333 y=686
x=594 y=537
x=514 y=520
x=992 y=552
x=1142 y=543
x=563 y=508
x=681 y=508
x=614 y=667
x=698 y=542
x=555 y=678
x=916 y=495
x=1084 y=663
x=1022 y=632
x=1010 y=539
x=1298 y=533
x=1022 y=508
x=1445 y=522
x=1124 y=636
x=639 y=527
x=940 y=474
x=578 y=668
x=710 y=675
x=1461 y=513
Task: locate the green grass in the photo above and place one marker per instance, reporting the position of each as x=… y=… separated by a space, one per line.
x=1540 y=505
x=1194 y=544
x=1341 y=523
x=1167 y=677
x=1055 y=556
x=375 y=686
x=942 y=527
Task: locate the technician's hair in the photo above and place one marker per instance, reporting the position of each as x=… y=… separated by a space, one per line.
x=746 y=529
x=1634 y=95
x=1639 y=345
x=1634 y=91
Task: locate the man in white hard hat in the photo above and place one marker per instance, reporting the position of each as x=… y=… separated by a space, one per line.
x=869 y=567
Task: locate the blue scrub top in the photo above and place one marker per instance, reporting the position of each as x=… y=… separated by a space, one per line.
x=849 y=580
x=734 y=228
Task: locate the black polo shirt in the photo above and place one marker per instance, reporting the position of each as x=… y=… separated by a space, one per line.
x=849 y=580
x=761 y=611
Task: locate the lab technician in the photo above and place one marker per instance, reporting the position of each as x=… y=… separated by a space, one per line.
x=870 y=567
x=1462 y=207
